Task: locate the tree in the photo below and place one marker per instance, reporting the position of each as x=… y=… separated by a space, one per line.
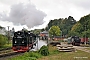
x=42 y=29
x=77 y=28
x=86 y=33
x=82 y=26
x=54 y=31
x=73 y=33
x=36 y=31
x=3 y=40
x=65 y=24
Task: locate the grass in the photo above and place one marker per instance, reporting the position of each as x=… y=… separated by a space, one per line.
x=6 y=46
x=27 y=56
x=56 y=55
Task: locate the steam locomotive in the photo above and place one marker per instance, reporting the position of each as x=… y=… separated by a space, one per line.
x=75 y=40
x=23 y=41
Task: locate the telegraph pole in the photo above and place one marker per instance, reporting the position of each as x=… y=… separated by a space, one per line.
x=8 y=34
x=85 y=34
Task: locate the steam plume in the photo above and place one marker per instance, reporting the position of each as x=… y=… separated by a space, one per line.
x=24 y=14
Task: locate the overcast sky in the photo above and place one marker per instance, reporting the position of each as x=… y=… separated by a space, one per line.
x=30 y=13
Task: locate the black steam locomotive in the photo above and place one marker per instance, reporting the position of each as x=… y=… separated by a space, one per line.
x=23 y=41
x=75 y=40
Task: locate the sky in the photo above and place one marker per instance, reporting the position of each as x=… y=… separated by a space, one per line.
x=35 y=14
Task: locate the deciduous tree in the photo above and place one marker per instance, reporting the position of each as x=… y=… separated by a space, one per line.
x=54 y=31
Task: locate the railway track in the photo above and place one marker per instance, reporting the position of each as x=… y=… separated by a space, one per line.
x=7 y=53
x=5 y=48
x=5 y=56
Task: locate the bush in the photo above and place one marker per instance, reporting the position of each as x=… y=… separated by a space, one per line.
x=32 y=54
x=28 y=56
x=3 y=40
x=44 y=50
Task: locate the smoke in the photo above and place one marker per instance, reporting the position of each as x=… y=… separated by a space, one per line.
x=24 y=14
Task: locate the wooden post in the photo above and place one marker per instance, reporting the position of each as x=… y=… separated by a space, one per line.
x=8 y=34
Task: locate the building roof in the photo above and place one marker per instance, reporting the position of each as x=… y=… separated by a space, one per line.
x=44 y=32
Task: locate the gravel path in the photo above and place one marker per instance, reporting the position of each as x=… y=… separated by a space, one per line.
x=79 y=48
x=82 y=48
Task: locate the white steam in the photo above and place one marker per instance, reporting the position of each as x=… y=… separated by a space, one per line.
x=24 y=14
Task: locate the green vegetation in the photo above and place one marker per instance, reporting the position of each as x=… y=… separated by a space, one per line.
x=1 y=27
x=6 y=46
x=3 y=40
x=52 y=50
x=44 y=51
x=27 y=56
x=36 y=31
x=56 y=55
x=69 y=26
x=65 y=25
x=55 y=31
x=82 y=27
x=33 y=55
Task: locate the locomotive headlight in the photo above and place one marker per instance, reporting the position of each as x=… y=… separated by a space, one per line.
x=23 y=41
x=15 y=41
